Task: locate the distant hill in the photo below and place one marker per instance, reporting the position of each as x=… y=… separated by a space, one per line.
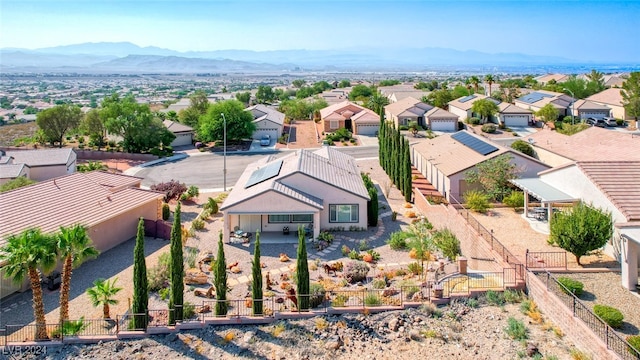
x=125 y=56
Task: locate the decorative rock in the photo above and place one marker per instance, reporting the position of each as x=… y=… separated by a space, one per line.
x=394 y=324
x=334 y=343
x=532 y=350
x=415 y=335
x=195 y=277
x=248 y=336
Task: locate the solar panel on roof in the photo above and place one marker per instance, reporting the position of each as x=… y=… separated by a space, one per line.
x=474 y=143
x=264 y=173
x=534 y=97
x=467 y=98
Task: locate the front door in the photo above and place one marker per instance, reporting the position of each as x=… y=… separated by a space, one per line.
x=253 y=223
x=347 y=125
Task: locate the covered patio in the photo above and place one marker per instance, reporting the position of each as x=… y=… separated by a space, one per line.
x=630 y=256
x=273 y=227
x=545 y=193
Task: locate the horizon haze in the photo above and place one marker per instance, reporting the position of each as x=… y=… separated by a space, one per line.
x=577 y=31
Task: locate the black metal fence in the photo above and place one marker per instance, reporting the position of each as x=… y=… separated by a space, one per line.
x=546 y=259
x=611 y=338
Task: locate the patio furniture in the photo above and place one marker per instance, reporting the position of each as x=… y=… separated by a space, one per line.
x=540 y=213
x=285 y=230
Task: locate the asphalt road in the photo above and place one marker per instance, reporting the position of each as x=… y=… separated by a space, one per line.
x=206 y=170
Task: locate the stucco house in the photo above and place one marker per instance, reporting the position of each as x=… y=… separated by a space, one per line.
x=109 y=205
x=351 y=116
x=610 y=185
x=462 y=106
x=183 y=133
x=536 y=100
x=546 y=78
x=611 y=98
x=321 y=188
x=444 y=160
x=9 y=170
x=46 y=163
x=400 y=92
x=268 y=120
x=513 y=116
x=441 y=120
x=588 y=109
x=407 y=110
x=592 y=144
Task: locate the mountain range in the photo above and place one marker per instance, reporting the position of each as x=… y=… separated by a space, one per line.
x=106 y=57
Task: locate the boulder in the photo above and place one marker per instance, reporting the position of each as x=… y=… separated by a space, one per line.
x=195 y=277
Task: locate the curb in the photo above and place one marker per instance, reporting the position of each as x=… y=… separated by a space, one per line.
x=133 y=170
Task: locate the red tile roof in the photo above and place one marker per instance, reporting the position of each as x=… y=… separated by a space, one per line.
x=618 y=180
x=67 y=200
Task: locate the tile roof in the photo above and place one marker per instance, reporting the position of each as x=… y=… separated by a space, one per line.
x=113 y=181
x=506 y=108
x=366 y=116
x=451 y=157
x=262 y=112
x=618 y=180
x=410 y=104
x=336 y=110
x=466 y=105
x=326 y=164
x=437 y=113
x=592 y=144
x=589 y=105
x=609 y=96
x=65 y=201
x=176 y=127
x=42 y=157
x=548 y=77
x=11 y=171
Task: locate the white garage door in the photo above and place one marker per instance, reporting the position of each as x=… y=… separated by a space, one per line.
x=367 y=129
x=594 y=114
x=516 y=120
x=443 y=125
x=181 y=140
x=271 y=132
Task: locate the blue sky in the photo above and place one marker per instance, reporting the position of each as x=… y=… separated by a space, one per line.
x=582 y=30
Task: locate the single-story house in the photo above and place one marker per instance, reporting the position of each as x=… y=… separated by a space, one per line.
x=546 y=78
x=588 y=109
x=351 y=116
x=592 y=144
x=536 y=100
x=445 y=159
x=46 y=164
x=511 y=115
x=400 y=92
x=441 y=120
x=611 y=185
x=407 y=110
x=321 y=188
x=462 y=106
x=109 y=205
x=335 y=96
x=268 y=120
x=9 y=170
x=611 y=98
x=183 y=133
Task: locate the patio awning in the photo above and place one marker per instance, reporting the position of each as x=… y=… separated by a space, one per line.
x=542 y=191
x=631 y=234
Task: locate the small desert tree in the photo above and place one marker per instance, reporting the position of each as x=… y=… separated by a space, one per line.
x=447 y=242
x=140 y=282
x=256 y=271
x=548 y=113
x=220 y=280
x=420 y=241
x=581 y=230
x=176 y=300
x=494 y=175
x=302 y=271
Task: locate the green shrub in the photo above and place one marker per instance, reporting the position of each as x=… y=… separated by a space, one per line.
x=514 y=200
x=526 y=306
x=489 y=128
x=355 y=255
x=516 y=329
x=474 y=121
x=523 y=147
x=398 y=240
x=379 y=284
x=166 y=212
x=372 y=299
x=473 y=303
x=212 y=206
x=572 y=286
x=512 y=296
x=345 y=250
x=477 y=201
x=414 y=268
x=190 y=254
x=494 y=298
x=356 y=271
x=620 y=122
x=317 y=294
x=159 y=275
x=447 y=242
x=326 y=236
x=634 y=341
x=374 y=254
x=193 y=191
x=198 y=224
x=164 y=293
x=612 y=316
x=188 y=310
x=70 y=328
x=340 y=300
x=403 y=127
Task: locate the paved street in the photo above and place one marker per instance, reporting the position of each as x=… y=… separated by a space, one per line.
x=206 y=170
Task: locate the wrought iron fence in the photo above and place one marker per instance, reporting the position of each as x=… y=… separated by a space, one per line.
x=546 y=259
x=24 y=333
x=88 y=327
x=611 y=338
x=132 y=322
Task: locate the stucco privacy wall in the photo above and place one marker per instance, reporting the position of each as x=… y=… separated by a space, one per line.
x=576 y=330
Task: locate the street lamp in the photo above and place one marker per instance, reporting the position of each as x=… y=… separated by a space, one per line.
x=573 y=105
x=224 y=151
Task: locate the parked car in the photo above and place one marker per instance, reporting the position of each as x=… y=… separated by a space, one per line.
x=265 y=140
x=610 y=121
x=596 y=122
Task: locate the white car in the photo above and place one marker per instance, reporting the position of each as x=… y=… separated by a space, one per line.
x=265 y=140
x=610 y=121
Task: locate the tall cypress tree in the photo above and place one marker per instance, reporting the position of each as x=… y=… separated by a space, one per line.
x=140 y=282
x=176 y=299
x=220 y=280
x=408 y=180
x=256 y=271
x=302 y=272
x=381 y=140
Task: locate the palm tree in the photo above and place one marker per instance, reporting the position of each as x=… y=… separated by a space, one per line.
x=377 y=102
x=102 y=293
x=74 y=247
x=596 y=76
x=468 y=85
x=91 y=166
x=24 y=254
x=490 y=80
x=475 y=81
